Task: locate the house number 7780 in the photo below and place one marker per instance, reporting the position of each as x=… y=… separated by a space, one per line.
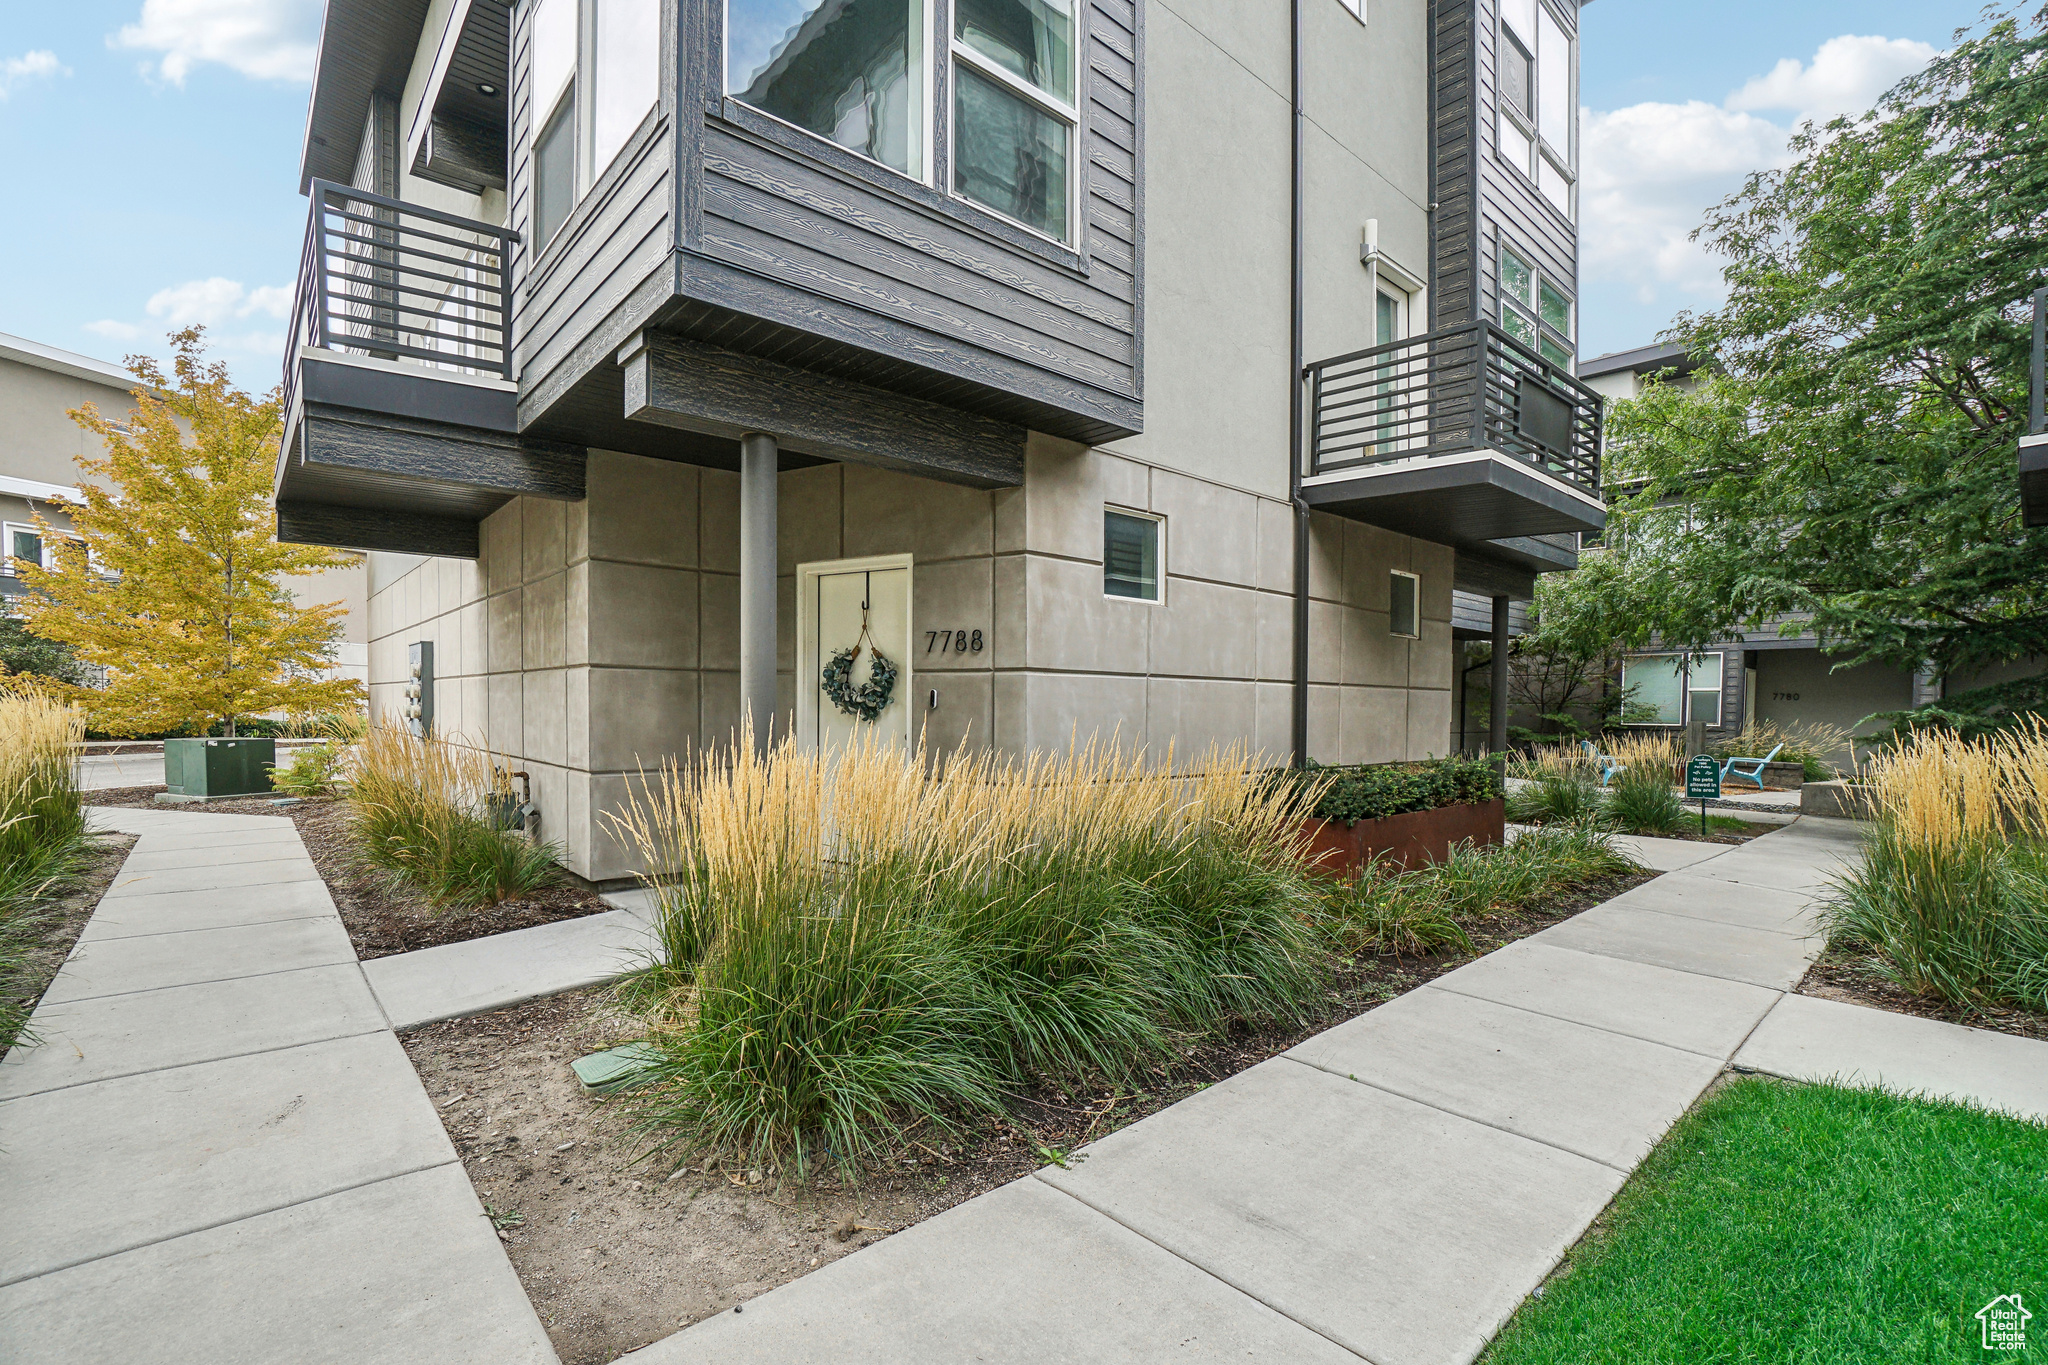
x=952 y=642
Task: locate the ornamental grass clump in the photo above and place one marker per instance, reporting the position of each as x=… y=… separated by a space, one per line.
x=1642 y=798
x=1812 y=744
x=422 y=810
x=42 y=832
x=856 y=939
x=1561 y=785
x=1952 y=891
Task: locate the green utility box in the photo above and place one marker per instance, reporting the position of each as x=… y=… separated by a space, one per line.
x=209 y=768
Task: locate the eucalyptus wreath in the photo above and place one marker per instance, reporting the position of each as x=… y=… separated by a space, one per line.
x=871 y=698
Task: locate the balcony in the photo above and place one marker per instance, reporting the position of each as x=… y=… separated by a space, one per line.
x=400 y=411
x=1462 y=436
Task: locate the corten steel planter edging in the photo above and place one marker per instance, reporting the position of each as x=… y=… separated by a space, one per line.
x=1411 y=839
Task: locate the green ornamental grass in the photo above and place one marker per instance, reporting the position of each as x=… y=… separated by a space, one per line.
x=42 y=836
x=1804 y=1223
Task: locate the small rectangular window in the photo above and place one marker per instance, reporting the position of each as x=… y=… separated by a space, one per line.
x=1008 y=154
x=23 y=547
x=1405 y=615
x=1517 y=77
x=853 y=73
x=1130 y=556
x=1703 y=688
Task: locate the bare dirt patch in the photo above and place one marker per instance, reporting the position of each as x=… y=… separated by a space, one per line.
x=615 y=1253
x=1855 y=977
x=383 y=915
x=58 y=921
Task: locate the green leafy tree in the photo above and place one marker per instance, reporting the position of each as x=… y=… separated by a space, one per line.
x=1848 y=454
x=25 y=652
x=173 y=580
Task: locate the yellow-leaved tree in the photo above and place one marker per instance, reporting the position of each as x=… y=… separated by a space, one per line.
x=173 y=580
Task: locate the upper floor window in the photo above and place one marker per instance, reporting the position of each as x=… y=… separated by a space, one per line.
x=858 y=75
x=1537 y=118
x=1534 y=311
x=596 y=71
x=24 y=545
x=852 y=73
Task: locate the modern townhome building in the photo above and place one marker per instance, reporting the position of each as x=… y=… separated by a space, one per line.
x=39 y=449
x=1772 y=674
x=1108 y=367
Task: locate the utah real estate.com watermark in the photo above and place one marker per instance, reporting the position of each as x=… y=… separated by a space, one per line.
x=2005 y=1323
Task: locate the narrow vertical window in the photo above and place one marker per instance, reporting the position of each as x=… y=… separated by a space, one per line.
x=1130 y=556
x=1534 y=311
x=625 y=72
x=1703 y=689
x=853 y=72
x=554 y=45
x=1014 y=109
x=1404 y=616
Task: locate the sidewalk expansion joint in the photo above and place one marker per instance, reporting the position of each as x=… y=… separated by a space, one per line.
x=208 y=981
x=207 y=929
x=1184 y=1259
x=181 y=1066
x=1456 y=1114
x=1438 y=985
x=227 y=1222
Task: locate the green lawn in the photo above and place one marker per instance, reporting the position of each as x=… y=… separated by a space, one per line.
x=1809 y=1224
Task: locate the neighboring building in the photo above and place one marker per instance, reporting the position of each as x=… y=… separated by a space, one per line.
x=644 y=342
x=1762 y=675
x=40 y=444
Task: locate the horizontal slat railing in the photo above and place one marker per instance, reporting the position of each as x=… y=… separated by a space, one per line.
x=397 y=281
x=1462 y=388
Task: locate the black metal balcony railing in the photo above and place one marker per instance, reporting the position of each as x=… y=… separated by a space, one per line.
x=396 y=281
x=1468 y=387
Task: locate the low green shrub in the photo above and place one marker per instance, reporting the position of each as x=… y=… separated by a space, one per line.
x=1642 y=800
x=1371 y=791
x=313 y=771
x=1556 y=796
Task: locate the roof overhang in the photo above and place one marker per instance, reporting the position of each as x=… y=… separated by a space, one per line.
x=365 y=46
x=457 y=134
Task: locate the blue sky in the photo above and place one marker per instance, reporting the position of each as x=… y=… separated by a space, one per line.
x=151 y=151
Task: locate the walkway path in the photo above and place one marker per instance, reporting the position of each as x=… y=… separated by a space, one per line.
x=219 y=1152
x=1390 y=1189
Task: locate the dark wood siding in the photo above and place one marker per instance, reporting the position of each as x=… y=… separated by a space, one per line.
x=576 y=302
x=1481 y=201
x=912 y=289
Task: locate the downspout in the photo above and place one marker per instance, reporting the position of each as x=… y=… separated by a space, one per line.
x=1296 y=362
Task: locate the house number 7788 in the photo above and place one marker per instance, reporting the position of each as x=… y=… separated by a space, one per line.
x=952 y=642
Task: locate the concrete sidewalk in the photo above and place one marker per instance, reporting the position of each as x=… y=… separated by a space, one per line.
x=1390 y=1189
x=219 y=1151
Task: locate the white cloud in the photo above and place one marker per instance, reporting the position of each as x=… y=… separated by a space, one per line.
x=1846 y=77
x=1649 y=172
x=218 y=304
x=270 y=40
x=27 y=67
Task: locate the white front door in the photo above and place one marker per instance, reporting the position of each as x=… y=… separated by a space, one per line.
x=861 y=605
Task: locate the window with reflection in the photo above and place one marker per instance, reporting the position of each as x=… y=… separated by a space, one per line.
x=1537 y=119
x=852 y=71
x=1013 y=108
x=1534 y=311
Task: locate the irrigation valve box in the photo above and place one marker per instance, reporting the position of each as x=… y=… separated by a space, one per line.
x=419 y=688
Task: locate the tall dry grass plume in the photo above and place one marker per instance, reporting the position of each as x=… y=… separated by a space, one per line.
x=40 y=806
x=857 y=936
x=423 y=809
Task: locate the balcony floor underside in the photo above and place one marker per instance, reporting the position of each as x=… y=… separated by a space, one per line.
x=1466 y=501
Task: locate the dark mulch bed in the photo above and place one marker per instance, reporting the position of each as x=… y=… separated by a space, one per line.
x=59 y=920
x=1854 y=977
x=615 y=1253
x=383 y=915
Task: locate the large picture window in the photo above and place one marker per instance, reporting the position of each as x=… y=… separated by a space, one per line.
x=596 y=71
x=1535 y=311
x=1537 y=116
x=858 y=73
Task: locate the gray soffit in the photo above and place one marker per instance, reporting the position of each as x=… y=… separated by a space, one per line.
x=1457 y=501
x=1641 y=360
x=365 y=46
x=458 y=134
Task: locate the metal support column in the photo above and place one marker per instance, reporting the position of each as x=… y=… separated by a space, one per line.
x=1497 y=730
x=758 y=466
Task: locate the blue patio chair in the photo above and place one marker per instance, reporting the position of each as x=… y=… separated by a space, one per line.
x=1749 y=768
x=1608 y=767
